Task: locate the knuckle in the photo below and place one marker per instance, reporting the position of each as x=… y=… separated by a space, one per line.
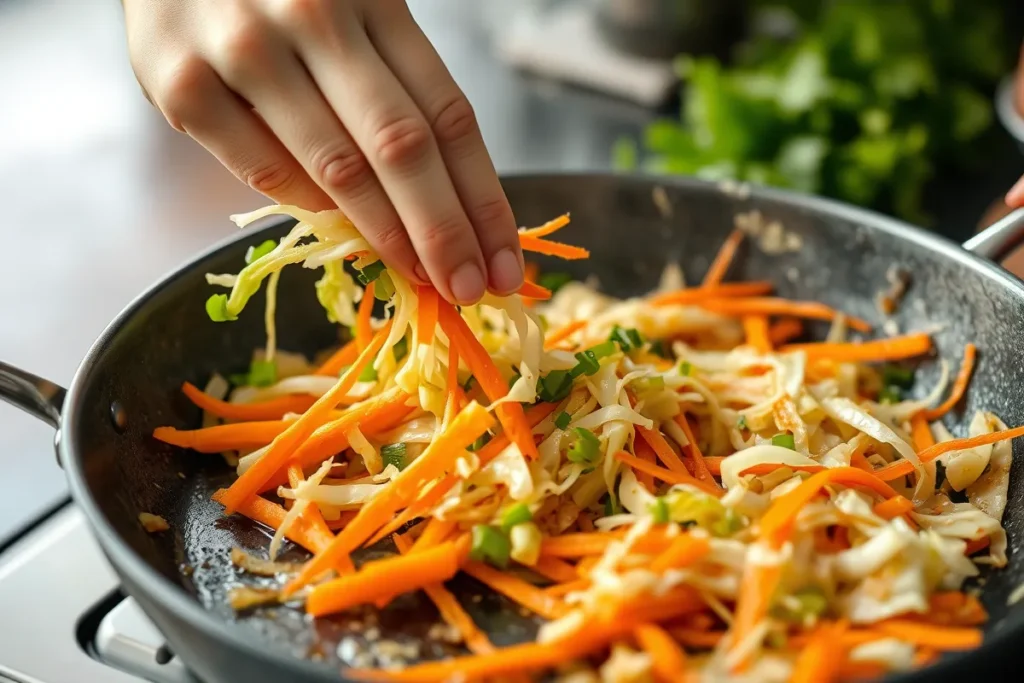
x=242 y=49
x=402 y=142
x=443 y=235
x=455 y=121
x=342 y=170
x=271 y=177
x=493 y=212
x=390 y=237
x=303 y=12
x=181 y=92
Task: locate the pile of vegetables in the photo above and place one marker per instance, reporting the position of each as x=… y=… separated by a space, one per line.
x=862 y=101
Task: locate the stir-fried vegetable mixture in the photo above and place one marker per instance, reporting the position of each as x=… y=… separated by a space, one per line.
x=697 y=497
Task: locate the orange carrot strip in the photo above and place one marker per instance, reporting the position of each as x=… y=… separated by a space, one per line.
x=726 y=254
x=238 y=436
x=517 y=590
x=700 y=468
x=963 y=378
x=893 y=507
x=346 y=355
x=568 y=252
x=271 y=409
x=822 y=659
x=451 y=611
x=672 y=461
x=383 y=578
x=692 y=295
x=364 y=330
x=311 y=514
x=269 y=514
x=560 y=590
x=894 y=348
x=920 y=432
x=282 y=447
x=452 y=404
x=902 y=468
x=584 y=544
x=511 y=416
x=563 y=333
x=426 y=314
x=942 y=638
x=532 y=271
x=693 y=638
x=668 y=661
x=665 y=475
x=775 y=306
x=976 y=545
x=645 y=453
x=784 y=330
x=555 y=569
x=553 y=225
x=714 y=463
x=438 y=458
x=531 y=290
x=954 y=608
x=436 y=532
x=757 y=589
x=685 y=550
x=755 y=328
x=769 y=467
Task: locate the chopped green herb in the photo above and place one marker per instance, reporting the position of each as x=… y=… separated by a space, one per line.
x=261 y=374
x=370 y=272
x=658 y=348
x=401 y=349
x=554 y=386
x=659 y=510
x=890 y=394
x=554 y=281
x=394 y=454
x=690 y=508
x=384 y=289
x=562 y=420
x=490 y=545
x=517 y=514
x=627 y=339
x=603 y=350
x=897 y=376
x=685 y=369
x=217 y=308
x=259 y=251
x=587 y=365
x=585 y=448
x=784 y=441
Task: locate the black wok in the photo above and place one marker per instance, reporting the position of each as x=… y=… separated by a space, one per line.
x=129 y=383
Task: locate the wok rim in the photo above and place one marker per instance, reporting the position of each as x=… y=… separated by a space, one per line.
x=175 y=600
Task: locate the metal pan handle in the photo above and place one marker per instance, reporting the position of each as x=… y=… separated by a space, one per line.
x=36 y=396
x=997 y=241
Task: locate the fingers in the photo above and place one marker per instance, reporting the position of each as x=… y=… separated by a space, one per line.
x=394 y=135
x=196 y=101
x=413 y=60
x=1015 y=197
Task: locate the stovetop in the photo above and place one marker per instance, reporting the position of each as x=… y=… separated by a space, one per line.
x=67 y=621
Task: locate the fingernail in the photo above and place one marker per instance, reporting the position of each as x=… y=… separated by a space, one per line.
x=467 y=283
x=421 y=273
x=1015 y=197
x=505 y=271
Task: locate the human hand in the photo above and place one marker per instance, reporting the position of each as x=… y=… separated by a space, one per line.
x=325 y=103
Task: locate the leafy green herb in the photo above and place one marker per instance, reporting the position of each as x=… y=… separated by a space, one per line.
x=394 y=454
x=585 y=448
x=897 y=376
x=517 y=514
x=554 y=386
x=562 y=420
x=627 y=339
x=384 y=289
x=554 y=281
x=784 y=441
x=587 y=364
x=370 y=272
x=258 y=252
x=490 y=545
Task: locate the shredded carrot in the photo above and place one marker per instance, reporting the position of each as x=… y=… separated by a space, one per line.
x=894 y=348
x=451 y=404
x=555 y=569
x=692 y=295
x=714 y=463
x=436 y=532
x=920 y=432
x=560 y=590
x=661 y=473
x=552 y=226
x=955 y=608
x=311 y=514
x=282 y=447
x=645 y=453
x=383 y=578
x=717 y=271
x=858 y=460
x=583 y=544
x=346 y=355
x=438 y=458
x=896 y=506
x=364 y=318
x=976 y=545
x=700 y=468
x=822 y=659
x=426 y=314
x=784 y=330
x=451 y=611
x=563 y=333
x=310 y=537
x=942 y=638
x=482 y=366
x=963 y=378
x=764 y=468
x=775 y=306
x=902 y=468
x=531 y=290
x=755 y=328
x=517 y=590
x=272 y=409
x=697 y=639
x=568 y=252
x=531 y=271
x=757 y=589
x=668 y=660
x=663 y=450
x=219 y=438
x=685 y=549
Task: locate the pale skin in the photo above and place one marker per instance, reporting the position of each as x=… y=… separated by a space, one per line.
x=337 y=103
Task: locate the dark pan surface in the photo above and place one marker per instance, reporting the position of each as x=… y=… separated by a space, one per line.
x=165 y=338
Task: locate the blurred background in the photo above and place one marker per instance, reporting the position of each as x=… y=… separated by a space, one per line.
x=906 y=106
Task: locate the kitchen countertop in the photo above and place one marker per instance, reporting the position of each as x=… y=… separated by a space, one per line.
x=101 y=197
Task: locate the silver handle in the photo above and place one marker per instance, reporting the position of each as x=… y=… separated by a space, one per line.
x=997 y=241
x=36 y=396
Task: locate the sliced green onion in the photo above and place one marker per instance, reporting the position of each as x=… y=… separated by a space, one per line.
x=261 y=374
x=685 y=369
x=400 y=349
x=784 y=441
x=585 y=448
x=369 y=373
x=587 y=365
x=562 y=420
x=652 y=383
x=890 y=394
x=384 y=289
x=603 y=350
x=628 y=339
x=554 y=281
x=658 y=348
x=490 y=545
x=554 y=386
x=259 y=251
x=217 y=308
x=802 y=606
x=517 y=514
x=370 y=272
x=611 y=505
x=394 y=454
x=659 y=510
x=895 y=375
